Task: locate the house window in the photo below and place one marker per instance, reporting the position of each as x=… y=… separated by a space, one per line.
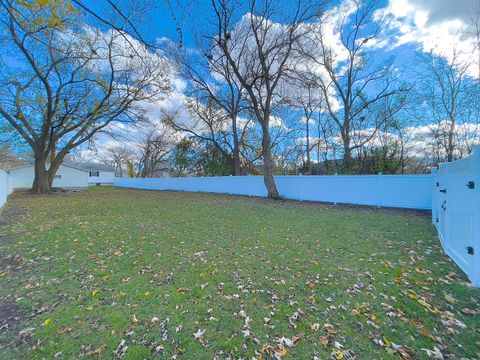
x=57 y=176
x=94 y=173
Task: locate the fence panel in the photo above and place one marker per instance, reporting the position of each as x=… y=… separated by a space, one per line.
x=404 y=191
x=4 y=187
x=456 y=212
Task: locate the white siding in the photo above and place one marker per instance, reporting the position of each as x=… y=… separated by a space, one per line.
x=105 y=177
x=4 y=187
x=22 y=178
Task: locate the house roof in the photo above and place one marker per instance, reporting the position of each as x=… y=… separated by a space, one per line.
x=93 y=166
x=31 y=165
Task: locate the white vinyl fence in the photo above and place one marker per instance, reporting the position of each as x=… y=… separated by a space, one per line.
x=402 y=191
x=456 y=212
x=5 y=188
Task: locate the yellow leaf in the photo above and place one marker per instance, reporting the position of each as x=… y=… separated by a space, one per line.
x=424 y=303
x=134 y=319
x=146 y=293
x=89 y=308
x=338 y=354
x=281 y=352
x=413 y=296
x=72 y=8
x=387 y=342
x=105 y=278
x=95 y=292
x=421 y=271
x=47 y=322
x=97 y=351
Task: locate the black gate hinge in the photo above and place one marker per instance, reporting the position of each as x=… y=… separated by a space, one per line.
x=470 y=250
x=471 y=185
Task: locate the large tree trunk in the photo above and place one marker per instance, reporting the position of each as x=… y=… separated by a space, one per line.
x=347 y=159
x=41 y=182
x=53 y=170
x=268 y=165
x=347 y=153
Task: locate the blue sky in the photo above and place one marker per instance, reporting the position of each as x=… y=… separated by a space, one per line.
x=412 y=26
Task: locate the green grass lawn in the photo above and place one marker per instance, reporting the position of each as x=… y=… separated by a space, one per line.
x=135 y=274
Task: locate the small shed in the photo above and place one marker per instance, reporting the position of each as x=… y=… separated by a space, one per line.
x=99 y=174
x=67 y=177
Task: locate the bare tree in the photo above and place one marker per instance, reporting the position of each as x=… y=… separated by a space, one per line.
x=155 y=150
x=208 y=121
x=304 y=94
x=444 y=93
x=73 y=82
x=261 y=53
x=213 y=80
x=350 y=84
x=117 y=157
x=473 y=31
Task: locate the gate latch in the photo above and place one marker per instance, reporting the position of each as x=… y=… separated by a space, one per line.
x=471 y=185
x=443 y=191
x=470 y=250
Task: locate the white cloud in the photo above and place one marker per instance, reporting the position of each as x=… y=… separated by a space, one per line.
x=431 y=25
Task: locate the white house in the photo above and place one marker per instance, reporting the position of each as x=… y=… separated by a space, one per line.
x=67 y=177
x=99 y=174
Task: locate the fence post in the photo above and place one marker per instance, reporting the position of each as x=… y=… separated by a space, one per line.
x=476 y=215
x=335 y=190
x=379 y=191
x=434 y=204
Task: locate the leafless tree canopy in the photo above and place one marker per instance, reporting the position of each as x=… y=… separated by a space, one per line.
x=73 y=83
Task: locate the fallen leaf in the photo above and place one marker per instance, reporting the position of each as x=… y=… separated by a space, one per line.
x=337 y=354
x=281 y=352
x=63 y=331
x=427 y=333
x=325 y=340
x=434 y=354
x=198 y=334
x=466 y=311
x=97 y=351
x=450 y=299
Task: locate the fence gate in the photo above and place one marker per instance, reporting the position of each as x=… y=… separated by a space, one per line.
x=456 y=212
